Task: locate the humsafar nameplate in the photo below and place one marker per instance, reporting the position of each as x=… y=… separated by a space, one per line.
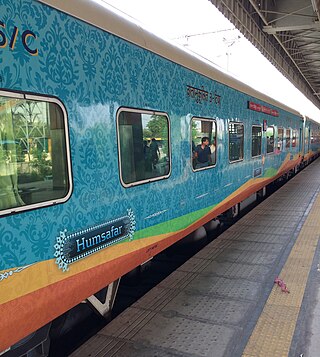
x=70 y=248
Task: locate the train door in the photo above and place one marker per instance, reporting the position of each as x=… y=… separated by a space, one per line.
x=307 y=140
x=300 y=140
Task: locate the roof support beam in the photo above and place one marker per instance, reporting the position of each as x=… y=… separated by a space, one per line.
x=316 y=7
x=274 y=29
x=248 y=17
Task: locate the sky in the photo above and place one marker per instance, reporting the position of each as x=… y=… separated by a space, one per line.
x=199 y=27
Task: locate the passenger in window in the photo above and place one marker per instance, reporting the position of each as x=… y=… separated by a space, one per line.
x=213 y=151
x=269 y=144
x=203 y=153
x=147 y=156
x=155 y=152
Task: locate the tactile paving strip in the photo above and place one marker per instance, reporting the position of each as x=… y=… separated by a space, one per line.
x=274 y=330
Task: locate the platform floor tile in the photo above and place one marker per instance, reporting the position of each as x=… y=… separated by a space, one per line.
x=241 y=256
x=251 y=272
x=98 y=345
x=209 y=308
x=271 y=220
x=194 y=264
x=220 y=286
x=257 y=237
x=273 y=230
x=128 y=349
x=185 y=335
x=156 y=299
x=256 y=246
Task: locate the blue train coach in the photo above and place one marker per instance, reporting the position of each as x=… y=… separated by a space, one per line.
x=114 y=145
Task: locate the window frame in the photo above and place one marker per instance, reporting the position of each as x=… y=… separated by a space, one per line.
x=290 y=138
x=256 y=126
x=215 y=123
x=142 y=111
x=282 y=139
x=239 y=160
x=57 y=101
x=295 y=135
x=307 y=139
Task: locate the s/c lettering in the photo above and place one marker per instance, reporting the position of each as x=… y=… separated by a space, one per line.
x=27 y=38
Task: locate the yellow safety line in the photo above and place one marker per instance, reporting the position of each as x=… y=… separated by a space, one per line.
x=274 y=330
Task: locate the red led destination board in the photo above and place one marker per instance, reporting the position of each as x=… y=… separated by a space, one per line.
x=263 y=109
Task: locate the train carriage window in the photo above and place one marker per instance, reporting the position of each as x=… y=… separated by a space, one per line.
x=294 y=138
x=203 y=143
x=307 y=139
x=256 y=140
x=270 y=139
x=144 y=151
x=280 y=139
x=236 y=142
x=34 y=153
x=288 y=138
x=316 y=137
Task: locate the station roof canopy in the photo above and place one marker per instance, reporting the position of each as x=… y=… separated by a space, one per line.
x=287 y=32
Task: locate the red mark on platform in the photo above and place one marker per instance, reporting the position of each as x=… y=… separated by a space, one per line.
x=282 y=285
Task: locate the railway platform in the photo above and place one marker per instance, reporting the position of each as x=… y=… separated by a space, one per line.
x=254 y=291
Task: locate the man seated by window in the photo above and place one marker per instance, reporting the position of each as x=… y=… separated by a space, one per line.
x=203 y=153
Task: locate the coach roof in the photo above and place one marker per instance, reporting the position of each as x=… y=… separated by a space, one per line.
x=123 y=26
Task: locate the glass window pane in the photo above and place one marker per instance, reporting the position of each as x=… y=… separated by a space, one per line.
x=236 y=140
x=307 y=141
x=144 y=146
x=203 y=143
x=33 y=155
x=294 y=138
x=288 y=138
x=256 y=140
x=280 y=139
x=270 y=139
